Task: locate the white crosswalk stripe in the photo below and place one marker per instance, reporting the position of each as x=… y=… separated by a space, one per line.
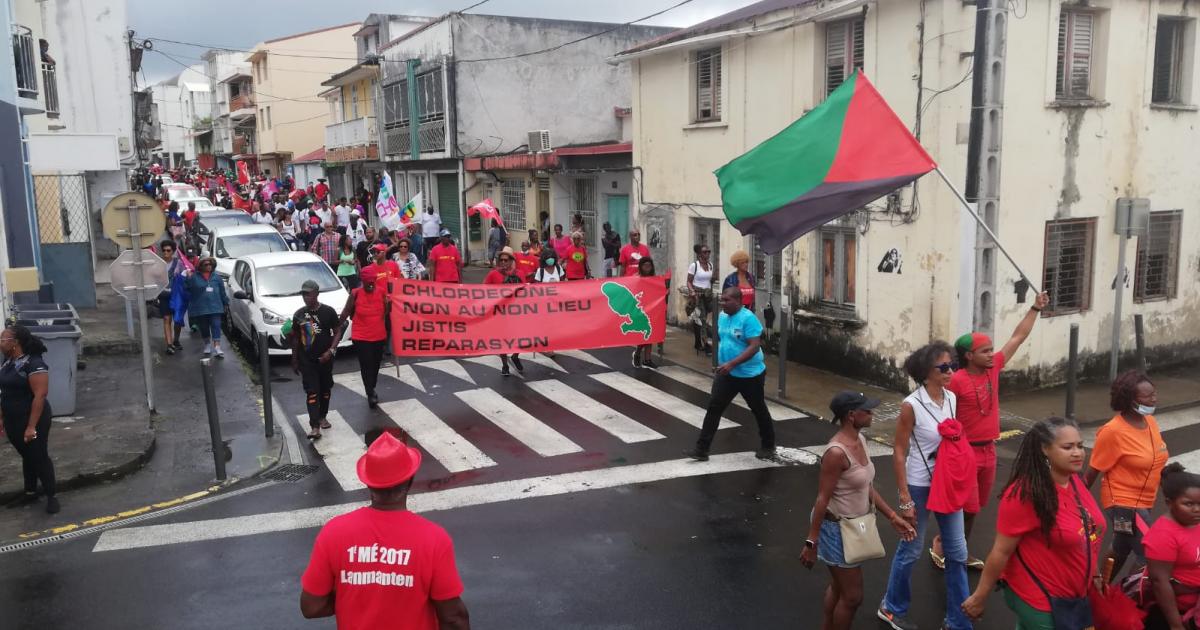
x=518 y=423
x=491 y=360
x=704 y=384
x=543 y=360
x=340 y=447
x=451 y=367
x=580 y=355
x=614 y=422
x=405 y=374
x=436 y=437
x=657 y=398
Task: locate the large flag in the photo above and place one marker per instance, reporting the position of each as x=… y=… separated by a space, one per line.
x=847 y=152
x=243 y=173
x=486 y=210
x=385 y=202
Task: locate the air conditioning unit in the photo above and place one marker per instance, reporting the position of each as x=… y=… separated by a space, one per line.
x=539 y=141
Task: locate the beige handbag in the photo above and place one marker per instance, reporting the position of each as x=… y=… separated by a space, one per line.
x=860 y=538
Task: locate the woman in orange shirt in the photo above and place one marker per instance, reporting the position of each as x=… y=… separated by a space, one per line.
x=1130 y=453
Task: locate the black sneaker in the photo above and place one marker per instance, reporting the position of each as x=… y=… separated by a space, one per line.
x=52 y=506
x=765 y=453
x=170 y=349
x=504 y=371
x=650 y=365
x=696 y=454
x=637 y=359
x=517 y=364
x=895 y=621
x=372 y=400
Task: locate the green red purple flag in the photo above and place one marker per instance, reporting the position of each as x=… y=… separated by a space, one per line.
x=847 y=152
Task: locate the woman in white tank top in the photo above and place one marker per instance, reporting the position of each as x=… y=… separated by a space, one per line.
x=914 y=458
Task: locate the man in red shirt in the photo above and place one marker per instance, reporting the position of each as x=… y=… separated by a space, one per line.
x=526 y=263
x=505 y=273
x=385 y=270
x=575 y=259
x=321 y=190
x=632 y=253
x=445 y=263
x=976 y=387
x=189 y=215
x=382 y=566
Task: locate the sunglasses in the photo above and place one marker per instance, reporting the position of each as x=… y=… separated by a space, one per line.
x=945 y=368
x=403 y=246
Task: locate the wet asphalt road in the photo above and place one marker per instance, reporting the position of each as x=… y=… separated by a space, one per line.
x=708 y=551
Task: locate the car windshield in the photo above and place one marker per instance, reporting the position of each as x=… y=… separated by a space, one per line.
x=201 y=203
x=285 y=280
x=180 y=192
x=229 y=220
x=246 y=244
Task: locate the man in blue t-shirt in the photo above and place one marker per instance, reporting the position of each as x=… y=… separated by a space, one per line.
x=741 y=370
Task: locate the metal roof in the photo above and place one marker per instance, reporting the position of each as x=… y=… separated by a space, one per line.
x=720 y=22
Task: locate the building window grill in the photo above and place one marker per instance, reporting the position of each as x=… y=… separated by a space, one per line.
x=1157 y=270
x=512 y=204
x=844 y=51
x=583 y=197
x=1067 y=270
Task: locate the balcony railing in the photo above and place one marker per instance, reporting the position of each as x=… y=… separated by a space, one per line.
x=50 y=85
x=241 y=101
x=351 y=133
x=243 y=145
x=430 y=134
x=25 y=55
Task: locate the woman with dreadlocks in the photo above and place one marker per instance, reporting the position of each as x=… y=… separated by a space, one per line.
x=1048 y=533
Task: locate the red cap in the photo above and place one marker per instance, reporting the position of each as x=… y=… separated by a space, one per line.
x=379 y=247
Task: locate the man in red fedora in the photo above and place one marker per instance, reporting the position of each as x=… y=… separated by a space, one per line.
x=382 y=566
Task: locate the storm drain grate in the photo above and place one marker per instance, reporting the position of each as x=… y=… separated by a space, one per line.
x=290 y=473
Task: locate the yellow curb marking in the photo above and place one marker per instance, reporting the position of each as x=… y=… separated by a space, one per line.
x=1011 y=433
x=101 y=520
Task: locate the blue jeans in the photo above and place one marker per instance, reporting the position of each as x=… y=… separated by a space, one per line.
x=209 y=325
x=954 y=544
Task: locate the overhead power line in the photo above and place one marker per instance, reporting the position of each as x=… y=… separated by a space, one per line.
x=474 y=5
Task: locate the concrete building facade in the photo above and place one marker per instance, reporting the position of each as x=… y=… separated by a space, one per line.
x=286 y=75
x=1113 y=116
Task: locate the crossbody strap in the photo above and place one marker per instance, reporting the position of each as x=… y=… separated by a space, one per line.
x=1086 y=521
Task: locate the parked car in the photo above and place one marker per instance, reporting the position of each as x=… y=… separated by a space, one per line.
x=202 y=203
x=227 y=243
x=207 y=222
x=266 y=292
x=175 y=192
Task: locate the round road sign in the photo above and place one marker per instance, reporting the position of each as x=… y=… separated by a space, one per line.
x=115 y=219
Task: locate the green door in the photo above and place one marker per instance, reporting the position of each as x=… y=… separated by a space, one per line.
x=449 y=206
x=618 y=215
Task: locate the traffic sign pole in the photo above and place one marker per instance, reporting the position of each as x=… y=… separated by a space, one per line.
x=135 y=233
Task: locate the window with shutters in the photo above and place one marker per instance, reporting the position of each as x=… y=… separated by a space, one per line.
x=1076 y=55
x=512 y=204
x=1067 y=267
x=1157 y=271
x=844 y=49
x=836 y=262
x=1172 y=61
x=708 y=85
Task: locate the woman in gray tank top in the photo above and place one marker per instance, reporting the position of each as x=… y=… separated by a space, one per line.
x=845 y=490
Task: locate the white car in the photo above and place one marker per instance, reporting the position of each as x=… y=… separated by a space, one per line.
x=175 y=192
x=265 y=292
x=227 y=243
x=202 y=203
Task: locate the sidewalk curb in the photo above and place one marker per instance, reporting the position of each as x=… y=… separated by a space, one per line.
x=112 y=473
x=1164 y=409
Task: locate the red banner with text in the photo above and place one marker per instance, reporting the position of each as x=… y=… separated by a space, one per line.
x=441 y=319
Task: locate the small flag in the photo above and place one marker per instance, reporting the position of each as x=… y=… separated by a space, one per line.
x=847 y=152
x=385 y=202
x=240 y=203
x=403 y=216
x=243 y=173
x=411 y=209
x=486 y=210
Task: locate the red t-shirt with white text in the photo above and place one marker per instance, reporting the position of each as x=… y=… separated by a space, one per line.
x=1059 y=561
x=630 y=256
x=1169 y=541
x=384 y=568
x=979 y=400
x=445 y=259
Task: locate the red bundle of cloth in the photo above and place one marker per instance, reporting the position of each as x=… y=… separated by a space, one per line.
x=955 y=485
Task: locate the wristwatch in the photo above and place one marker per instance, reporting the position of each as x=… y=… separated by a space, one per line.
x=810 y=544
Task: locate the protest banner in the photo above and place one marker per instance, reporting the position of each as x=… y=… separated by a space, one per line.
x=444 y=319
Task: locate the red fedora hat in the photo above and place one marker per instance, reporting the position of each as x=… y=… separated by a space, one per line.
x=388 y=462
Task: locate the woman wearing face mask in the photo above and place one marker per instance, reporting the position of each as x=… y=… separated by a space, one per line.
x=917 y=439
x=1130 y=453
x=550 y=271
x=1173 y=552
x=368 y=306
x=1048 y=533
x=845 y=491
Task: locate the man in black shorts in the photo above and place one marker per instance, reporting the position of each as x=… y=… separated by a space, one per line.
x=314 y=328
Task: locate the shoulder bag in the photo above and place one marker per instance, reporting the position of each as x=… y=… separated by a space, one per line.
x=1071 y=613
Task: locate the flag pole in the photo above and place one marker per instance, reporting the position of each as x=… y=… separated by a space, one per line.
x=967 y=206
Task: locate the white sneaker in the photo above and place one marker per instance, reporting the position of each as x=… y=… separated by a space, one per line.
x=207 y=349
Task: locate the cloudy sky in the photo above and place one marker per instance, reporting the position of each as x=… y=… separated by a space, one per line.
x=243 y=23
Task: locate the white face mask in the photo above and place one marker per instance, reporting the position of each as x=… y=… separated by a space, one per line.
x=1143 y=409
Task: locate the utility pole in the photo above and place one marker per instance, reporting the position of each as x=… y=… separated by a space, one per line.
x=983 y=151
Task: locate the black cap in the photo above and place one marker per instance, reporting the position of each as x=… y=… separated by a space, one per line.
x=310 y=286
x=845 y=402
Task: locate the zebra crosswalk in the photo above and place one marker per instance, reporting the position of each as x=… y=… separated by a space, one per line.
x=466 y=419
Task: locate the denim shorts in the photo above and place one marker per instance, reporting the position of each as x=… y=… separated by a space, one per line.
x=829 y=546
